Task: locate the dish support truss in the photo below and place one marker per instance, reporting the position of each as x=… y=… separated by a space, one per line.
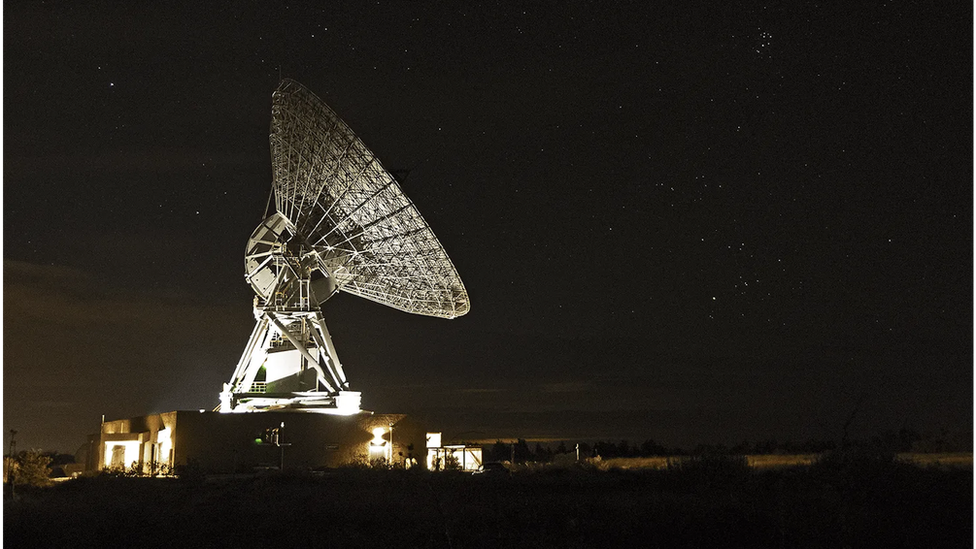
x=289 y=363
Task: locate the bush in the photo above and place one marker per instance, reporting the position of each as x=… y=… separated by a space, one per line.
x=190 y=472
x=32 y=468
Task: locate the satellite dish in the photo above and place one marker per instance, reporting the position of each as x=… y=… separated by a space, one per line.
x=341 y=223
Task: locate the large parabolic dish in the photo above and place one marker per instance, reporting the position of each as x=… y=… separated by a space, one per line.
x=342 y=223
x=350 y=210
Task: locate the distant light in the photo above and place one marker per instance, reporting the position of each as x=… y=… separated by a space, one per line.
x=378 y=437
x=202 y=410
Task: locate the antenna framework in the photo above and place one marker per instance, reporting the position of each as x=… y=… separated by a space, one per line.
x=342 y=223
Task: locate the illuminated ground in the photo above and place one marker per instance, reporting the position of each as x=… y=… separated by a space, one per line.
x=768 y=461
x=709 y=503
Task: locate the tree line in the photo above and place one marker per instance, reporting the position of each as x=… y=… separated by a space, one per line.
x=900 y=441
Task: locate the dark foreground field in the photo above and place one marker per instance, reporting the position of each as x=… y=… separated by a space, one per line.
x=720 y=503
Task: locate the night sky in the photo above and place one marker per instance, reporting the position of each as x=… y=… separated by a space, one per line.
x=680 y=224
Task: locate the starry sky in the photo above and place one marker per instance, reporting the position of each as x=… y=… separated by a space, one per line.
x=680 y=223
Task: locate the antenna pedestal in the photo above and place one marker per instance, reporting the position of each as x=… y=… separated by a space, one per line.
x=289 y=363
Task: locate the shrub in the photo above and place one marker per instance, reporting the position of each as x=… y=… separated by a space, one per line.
x=32 y=468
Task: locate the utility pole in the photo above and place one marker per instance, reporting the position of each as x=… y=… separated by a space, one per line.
x=281 y=464
x=281 y=446
x=11 y=475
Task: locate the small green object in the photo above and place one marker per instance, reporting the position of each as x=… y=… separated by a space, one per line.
x=258 y=440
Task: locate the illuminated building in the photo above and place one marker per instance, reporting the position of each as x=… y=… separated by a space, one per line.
x=237 y=443
x=461 y=457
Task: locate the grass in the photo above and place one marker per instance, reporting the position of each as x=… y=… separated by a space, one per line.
x=753 y=461
x=700 y=502
x=956 y=459
x=772 y=461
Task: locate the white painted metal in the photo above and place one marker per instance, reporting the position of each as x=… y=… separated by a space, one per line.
x=342 y=223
